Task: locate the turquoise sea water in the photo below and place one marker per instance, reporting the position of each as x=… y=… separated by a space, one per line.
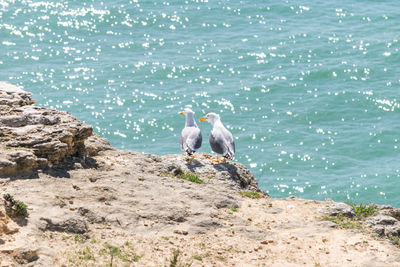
x=309 y=89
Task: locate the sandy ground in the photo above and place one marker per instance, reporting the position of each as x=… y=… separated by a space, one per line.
x=297 y=236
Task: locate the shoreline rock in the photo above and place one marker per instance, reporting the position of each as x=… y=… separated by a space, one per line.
x=33 y=138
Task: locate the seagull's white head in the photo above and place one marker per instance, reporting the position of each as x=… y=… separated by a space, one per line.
x=186 y=111
x=210 y=117
x=189 y=114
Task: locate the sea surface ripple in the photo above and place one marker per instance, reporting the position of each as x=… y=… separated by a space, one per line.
x=309 y=89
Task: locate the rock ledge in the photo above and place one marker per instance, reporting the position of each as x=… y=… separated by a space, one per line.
x=33 y=138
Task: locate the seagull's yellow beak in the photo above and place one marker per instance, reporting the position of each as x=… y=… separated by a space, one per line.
x=181 y=113
x=202 y=119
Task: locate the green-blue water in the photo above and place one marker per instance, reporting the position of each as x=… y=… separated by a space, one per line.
x=309 y=89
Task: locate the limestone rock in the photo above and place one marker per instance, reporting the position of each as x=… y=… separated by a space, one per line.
x=208 y=224
x=33 y=138
x=25 y=255
x=381 y=220
x=91 y=216
x=384 y=225
x=340 y=208
x=225 y=202
x=94 y=144
x=7 y=226
x=389 y=211
x=13 y=96
x=69 y=225
x=230 y=173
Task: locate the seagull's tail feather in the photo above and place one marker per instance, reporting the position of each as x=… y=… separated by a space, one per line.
x=189 y=151
x=229 y=155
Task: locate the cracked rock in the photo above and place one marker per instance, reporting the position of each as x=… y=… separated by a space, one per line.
x=70 y=225
x=341 y=208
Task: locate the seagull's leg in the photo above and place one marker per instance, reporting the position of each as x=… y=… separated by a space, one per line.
x=217 y=159
x=191 y=157
x=224 y=160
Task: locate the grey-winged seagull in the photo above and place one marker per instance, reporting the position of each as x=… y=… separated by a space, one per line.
x=221 y=140
x=190 y=139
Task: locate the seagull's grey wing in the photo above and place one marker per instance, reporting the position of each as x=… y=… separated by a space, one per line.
x=194 y=139
x=230 y=145
x=190 y=139
x=221 y=142
x=182 y=140
x=217 y=142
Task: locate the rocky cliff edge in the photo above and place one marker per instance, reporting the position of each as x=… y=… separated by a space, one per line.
x=89 y=204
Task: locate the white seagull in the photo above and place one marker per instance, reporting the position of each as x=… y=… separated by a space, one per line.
x=221 y=140
x=190 y=139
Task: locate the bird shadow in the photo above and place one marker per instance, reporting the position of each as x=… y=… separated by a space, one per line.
x=225 y=166
x=232 y=170
x=193 y=164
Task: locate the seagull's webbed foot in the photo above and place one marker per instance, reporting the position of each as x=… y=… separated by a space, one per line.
x=217 y=160
x=190 y=158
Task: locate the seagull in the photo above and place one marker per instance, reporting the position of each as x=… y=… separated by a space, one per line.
x=190 y=139
x=221 y=140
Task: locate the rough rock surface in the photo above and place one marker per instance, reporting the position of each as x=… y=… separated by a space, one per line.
x=340 y=208
x=68 y=225
x=33 y=138
x=232 y=174
x=385 y=222
x=140 y=207
x=12 y=97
